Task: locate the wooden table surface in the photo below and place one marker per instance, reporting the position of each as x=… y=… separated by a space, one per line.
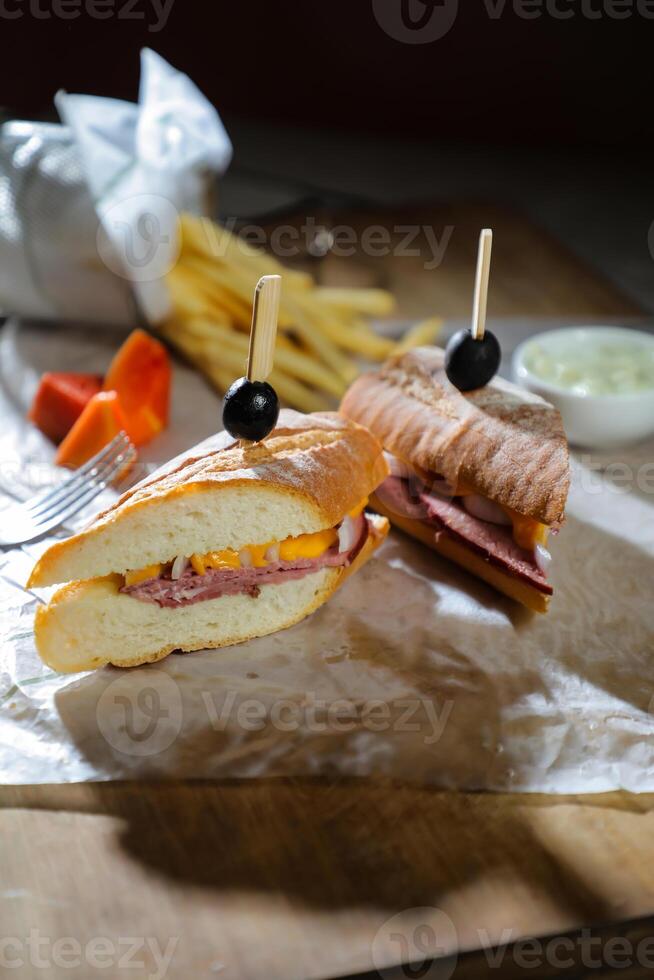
x=292 y=879
x=427 y=259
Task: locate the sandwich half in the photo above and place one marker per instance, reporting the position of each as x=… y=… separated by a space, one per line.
x=226 y=543
x=481 y=477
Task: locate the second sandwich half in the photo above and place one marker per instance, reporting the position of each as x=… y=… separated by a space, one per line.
x=223 y=545
x=481 y=477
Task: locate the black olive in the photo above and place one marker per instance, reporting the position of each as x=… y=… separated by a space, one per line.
x=471 y=363
x=250 y=410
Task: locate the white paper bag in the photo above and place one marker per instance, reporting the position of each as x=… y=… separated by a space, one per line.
x=88 y=209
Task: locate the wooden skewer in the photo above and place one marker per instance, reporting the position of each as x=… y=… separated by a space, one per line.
x=481 y=284
x=263 y=331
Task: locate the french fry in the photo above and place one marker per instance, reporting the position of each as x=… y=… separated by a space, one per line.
x=425 y=332
x=190 y=300
x=220 y=377
x=195 y=277
x=194 y=350
x=292 y=361
x=295 y=393
x=288 y=343
x=347 y=331
x=366 y=343
x=213 y=242
x=231 y=358
x=232 y=366
x=370 y=302
x=290 y=316
x=323 y=331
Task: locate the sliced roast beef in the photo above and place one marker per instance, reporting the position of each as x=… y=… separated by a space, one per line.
x=494 y=542
x=216 y=582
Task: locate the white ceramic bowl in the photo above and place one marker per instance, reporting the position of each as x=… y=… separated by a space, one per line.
x=594 y=421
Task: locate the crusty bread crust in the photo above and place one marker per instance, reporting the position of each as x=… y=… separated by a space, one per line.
x=505 y=443
x=89 y=624
x=511 y=586
x=303 y=478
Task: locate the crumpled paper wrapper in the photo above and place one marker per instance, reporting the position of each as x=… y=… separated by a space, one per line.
x=413 y=670
x=89 y=209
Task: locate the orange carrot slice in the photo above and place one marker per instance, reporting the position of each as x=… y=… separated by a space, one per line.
x=140 y=373
x=60 y=400
x=101 y=420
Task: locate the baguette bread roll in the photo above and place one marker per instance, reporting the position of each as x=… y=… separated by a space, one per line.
x=500 y=441
x=303 y=478
x=218 y=499
x=89 y=624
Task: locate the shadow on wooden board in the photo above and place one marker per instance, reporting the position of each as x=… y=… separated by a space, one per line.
x=626 y=950
x=306 y=879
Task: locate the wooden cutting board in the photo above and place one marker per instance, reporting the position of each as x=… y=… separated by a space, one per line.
x=281 y=879
x=290 y=879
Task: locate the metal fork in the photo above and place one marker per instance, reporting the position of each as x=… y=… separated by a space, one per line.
x=47 y=510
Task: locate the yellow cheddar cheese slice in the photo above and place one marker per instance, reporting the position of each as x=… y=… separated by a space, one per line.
x=307 y=545
x=301 y=546
x=527 y=532
x=359 y=508
x=134 y=576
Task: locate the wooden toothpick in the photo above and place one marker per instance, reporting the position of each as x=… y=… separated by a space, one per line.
x=481 y=284
x=263 y=331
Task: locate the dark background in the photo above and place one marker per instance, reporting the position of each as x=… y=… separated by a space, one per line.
x=497 y=80
x=548 y=116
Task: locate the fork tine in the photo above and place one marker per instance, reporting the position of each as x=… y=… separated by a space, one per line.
x=89 y=492
x=38 y=506
x=34 y=504
x=99 y=478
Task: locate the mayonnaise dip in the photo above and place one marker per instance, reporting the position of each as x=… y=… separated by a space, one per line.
x=614 y=365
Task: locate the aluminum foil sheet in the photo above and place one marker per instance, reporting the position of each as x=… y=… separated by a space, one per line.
x=413 y=671
x=88 y=209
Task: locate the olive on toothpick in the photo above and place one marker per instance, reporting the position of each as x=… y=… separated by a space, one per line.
x=471 y=363
x=472 y=357
x=251 y=410
x=251 y=406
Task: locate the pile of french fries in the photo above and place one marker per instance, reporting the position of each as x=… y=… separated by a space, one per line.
x=323 y=339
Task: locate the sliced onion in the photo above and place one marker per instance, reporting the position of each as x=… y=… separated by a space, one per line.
x=347 y=534
x=245 y=558
x=542 y=558
x=397 y=467
x=272 y=553
x=485 y=509
x=179 y=567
